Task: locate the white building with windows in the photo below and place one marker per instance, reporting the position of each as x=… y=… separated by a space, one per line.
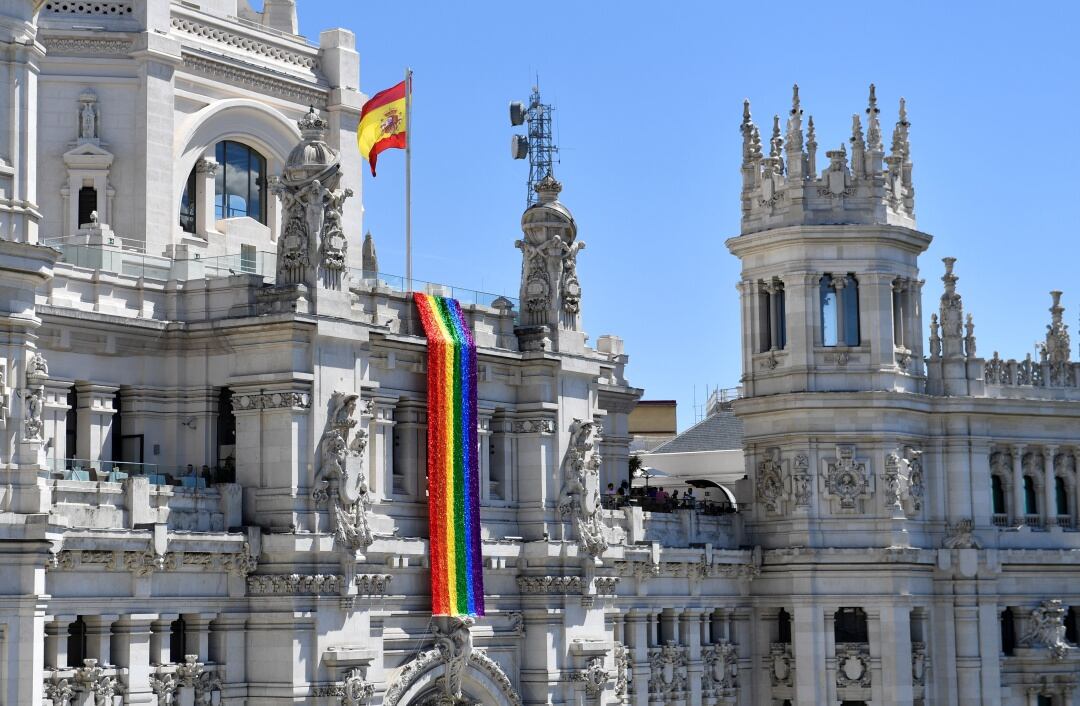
x=213 y=413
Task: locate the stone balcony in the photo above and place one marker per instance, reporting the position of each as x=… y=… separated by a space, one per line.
x=135 y=502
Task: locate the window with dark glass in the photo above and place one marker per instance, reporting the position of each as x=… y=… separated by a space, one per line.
x=1008 y=632
x=240 y=184
x=76 y=648
x=783 y=624
x=87 y=204
x=188 y=208
x=1031 y=505
x=177 y=641
x=247 y=258
x=772 y=316
x=850 y=625
x=1061 y=496
x=1072 y=625
x=997 y=492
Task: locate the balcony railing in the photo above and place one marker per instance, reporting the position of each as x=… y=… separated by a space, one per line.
x=1001 y=520
x=1033 y=521
x=1065 y=522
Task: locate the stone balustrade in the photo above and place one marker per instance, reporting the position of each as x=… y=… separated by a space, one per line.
x=136 y=502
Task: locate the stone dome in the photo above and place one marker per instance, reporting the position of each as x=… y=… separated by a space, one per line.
x=312 y=158
x=549 y=212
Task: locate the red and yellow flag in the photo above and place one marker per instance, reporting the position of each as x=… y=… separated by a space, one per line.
x=382 y=123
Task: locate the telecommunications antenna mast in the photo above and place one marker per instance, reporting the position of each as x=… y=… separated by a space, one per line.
x=539 y=145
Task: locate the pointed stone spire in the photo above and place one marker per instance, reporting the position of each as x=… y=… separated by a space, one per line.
x=858 y=146
x=747 y=129
x=900 y=146
x=369 y=260
x=873 y=126
x=811 y=148
x=796 y=160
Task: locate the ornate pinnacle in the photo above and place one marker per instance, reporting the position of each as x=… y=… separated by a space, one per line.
x=873 y=130
x=796 y=109
x=746 y=121
x=856 y=131
x=811 y=148
x=755 y=143
x=794 y=125
x=748 y=130
x=777 y=142
x=312 y=122
x=811 y=135
x=900 y=145
x=949 y=278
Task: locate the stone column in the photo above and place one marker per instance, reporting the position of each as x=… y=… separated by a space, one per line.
x=1018 y=484
x=99 y=637
x=229 y=643
x=156 y=56
x=690 y=633
x=198 y=634
x=968 y=663
x=206 y=170
x=750 y=328
x=20 y=54
x=839 y=283
x=772 y=289
x=23 y=641
x=483 y=444
x=637 y=638
x=1049 y=487
x=989 y=652
x=808 y=638
x=55 y=414
x=538 y=466
x=56 y=641
x=133 y=633
x=95 y=413
x=160 y=633
x=894 y=649
x=274 y=455
x=410 y=449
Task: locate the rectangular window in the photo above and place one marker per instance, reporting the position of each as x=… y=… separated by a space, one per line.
x=87 y=204
x=828 y=312
x=851 y=311
x=247 y=258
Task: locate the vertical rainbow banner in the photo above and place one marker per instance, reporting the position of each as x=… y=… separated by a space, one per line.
x=457 y=567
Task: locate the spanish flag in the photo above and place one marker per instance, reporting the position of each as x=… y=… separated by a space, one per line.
x=382 y=123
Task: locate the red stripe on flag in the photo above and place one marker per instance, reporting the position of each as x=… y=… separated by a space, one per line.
x=382 y=98
x=394 y=141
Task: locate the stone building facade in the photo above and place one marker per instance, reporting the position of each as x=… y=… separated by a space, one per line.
x=213 y=416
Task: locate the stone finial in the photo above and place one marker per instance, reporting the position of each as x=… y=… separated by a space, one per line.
x=749 y=132
x=952 y=313
x=794 y=133
x=949 y=278
x=313 y=123
x=1057 y=333
x=548 y=189
x=900 y=146
x=969 y=336
x=755 y=144
x=873 y=126
x=858 y=145
x=811 y=147
x=776 y=144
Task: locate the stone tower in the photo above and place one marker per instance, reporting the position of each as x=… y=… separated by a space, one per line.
x=832 y=355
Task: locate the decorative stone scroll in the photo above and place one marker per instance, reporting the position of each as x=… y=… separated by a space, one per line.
x=580 y=494
x=341 y=481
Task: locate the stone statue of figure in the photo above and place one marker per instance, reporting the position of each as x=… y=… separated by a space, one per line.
x=88 y=126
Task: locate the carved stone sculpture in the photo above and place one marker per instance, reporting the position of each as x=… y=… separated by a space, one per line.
x=312 y=211
x=354 y=690
x=852 y=665
x=771 y=482
x=92 y=678
x=37 y=367
x=341 y=481
x=1047 y=629
x=801 y=485
x=846 y=479
x=668 y=672
x=35 y=405
x=721 y=675
x=580 y=496
x=623 y=670
x=453 y=640
x=962 y=535
x=594 y=677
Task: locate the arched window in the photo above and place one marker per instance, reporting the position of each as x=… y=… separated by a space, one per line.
x=1031 y=505
x=1061 y=495
x=240 y=187
x=839 y=310
x=188 y=201
x=783 y=624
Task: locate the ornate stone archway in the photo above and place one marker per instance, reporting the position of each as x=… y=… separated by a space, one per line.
x=451 y=674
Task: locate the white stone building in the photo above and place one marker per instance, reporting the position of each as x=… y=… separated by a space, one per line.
x=214 y=423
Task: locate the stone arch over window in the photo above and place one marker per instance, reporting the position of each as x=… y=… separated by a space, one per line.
x=418 y=683
x=258 y=127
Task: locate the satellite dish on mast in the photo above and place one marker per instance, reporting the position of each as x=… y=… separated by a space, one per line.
x=519 y=147
x=517 y=113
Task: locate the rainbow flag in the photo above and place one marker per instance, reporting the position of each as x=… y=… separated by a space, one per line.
x=457 y=566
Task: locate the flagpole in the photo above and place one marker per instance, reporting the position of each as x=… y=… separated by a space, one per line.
x=408 y=179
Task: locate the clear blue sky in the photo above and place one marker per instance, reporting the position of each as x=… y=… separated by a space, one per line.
x=649 y=99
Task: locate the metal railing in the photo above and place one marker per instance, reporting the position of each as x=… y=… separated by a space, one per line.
x=85 y=470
